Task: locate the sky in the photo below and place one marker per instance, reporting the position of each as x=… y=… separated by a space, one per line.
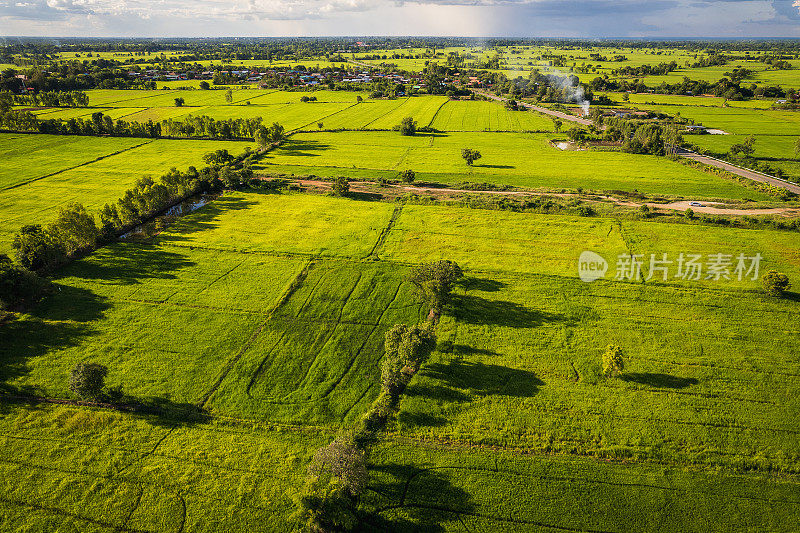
x=473 y=18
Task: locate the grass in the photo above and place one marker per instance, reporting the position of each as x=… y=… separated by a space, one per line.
x=524 y=160
x=93 y=470
x=456 y=489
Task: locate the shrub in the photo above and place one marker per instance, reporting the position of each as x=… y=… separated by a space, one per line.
x=408 y=126
x=613 y=363
x=343 y=460
x=74 y=228
x=36 y=248
x=411 y=346
x=775 y=283
x=434 y=281
x=323 y=505
x=341 y=186
x=408 y=176
x=470 y=155
x=586 y=211
x=17 y=284
x=689 y=214
x=337 y=475
x=87 y=380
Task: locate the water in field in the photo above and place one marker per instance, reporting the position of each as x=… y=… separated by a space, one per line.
x=159 y=223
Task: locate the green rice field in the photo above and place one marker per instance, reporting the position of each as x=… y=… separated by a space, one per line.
x=241 y=338
x=289 y=296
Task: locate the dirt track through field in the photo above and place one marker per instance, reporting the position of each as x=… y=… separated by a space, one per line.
x=706 y=207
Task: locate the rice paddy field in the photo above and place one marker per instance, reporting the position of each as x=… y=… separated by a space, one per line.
x=252 y=329
x=269 y=311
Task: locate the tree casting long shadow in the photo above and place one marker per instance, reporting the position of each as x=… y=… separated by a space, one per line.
x=413 y=499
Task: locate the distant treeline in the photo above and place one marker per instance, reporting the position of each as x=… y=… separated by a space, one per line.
x=724 y=88
x=646 y=70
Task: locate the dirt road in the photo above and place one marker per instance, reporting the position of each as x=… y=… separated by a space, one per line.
x=707 y=207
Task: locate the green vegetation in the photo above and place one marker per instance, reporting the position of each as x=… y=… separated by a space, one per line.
x=192 y=338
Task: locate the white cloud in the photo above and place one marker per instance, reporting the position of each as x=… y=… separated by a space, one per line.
x=587 y=18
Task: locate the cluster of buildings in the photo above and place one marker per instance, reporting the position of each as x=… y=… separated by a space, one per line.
x=295 y=77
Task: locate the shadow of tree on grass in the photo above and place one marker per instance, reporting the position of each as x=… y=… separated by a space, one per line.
x=481 y=284
x=476 y=310
x=482 y=379
x=413 y=499
x=665 y=381
x=129 y=264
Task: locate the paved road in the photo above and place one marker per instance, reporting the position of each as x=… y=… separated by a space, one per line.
x=686 y=154
x=746 y=173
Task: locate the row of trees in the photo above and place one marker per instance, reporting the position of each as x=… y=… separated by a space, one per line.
x=205 y=126
x=52 y=99
x=191 y=126
x=338 y=475
x=729 y=88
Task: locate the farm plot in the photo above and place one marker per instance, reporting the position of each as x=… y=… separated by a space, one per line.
x=365 y=115
x=339 y=153
x=530 y=243
x=780 y=250
x=301 y=225
x=293 y=97
x=524 y=160
x=421 y=108
x=140 y=299
x=325 y=335
x=28 y=157
x=487 y=116
x=94 y=183
x=317 y=360
x=142 y=98
x=430 y=488
x=71 y=469
x=66 y=113
x=504 y=241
